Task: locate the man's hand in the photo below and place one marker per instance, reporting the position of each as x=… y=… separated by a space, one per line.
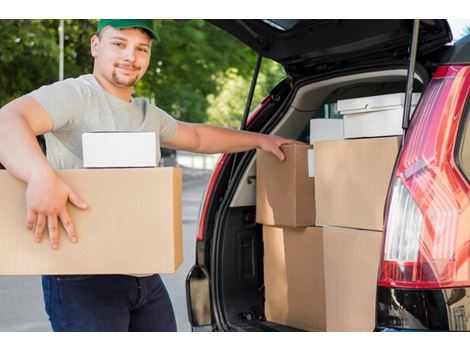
x=271 y=143
x=46 y=199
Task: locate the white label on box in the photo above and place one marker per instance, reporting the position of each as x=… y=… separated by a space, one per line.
x=326 y=130
x=119 y=149
x=311 y=167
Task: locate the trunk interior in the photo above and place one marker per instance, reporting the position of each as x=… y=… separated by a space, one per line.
x=237 y=249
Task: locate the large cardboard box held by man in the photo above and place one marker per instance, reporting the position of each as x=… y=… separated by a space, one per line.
x=352 y=179
x=132 y=226
x=293 y=277
x=284 y=192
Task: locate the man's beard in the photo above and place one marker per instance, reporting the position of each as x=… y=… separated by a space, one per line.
x=130 y=82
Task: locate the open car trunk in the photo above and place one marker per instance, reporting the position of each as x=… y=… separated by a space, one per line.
x=237 y=248
x=311 y=46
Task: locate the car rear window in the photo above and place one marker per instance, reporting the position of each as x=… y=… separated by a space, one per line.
x=283 y=25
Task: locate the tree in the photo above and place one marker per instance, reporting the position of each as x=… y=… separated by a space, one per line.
x=186 y=64
x=193 y=60
x=228 y=104
x=77 y=56
x=28 y=56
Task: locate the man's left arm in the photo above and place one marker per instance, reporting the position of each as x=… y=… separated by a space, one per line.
x=201 y=138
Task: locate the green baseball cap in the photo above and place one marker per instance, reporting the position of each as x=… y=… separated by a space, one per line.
x=146 y=25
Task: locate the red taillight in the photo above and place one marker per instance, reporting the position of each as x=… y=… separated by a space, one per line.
x=427 y=230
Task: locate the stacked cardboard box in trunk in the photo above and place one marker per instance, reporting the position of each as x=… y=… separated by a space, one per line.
x=351 y=179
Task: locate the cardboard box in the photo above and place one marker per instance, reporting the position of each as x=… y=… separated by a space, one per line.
x=352 y=179
x=351 y=267
x=119 y=149
x=133 y=225
x=294 y=278
x=284 y=191
x=326 y=130
x=374 y=116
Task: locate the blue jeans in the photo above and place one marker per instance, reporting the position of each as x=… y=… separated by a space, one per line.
x=107 y=303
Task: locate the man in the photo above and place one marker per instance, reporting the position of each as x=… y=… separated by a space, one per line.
x=65 y=110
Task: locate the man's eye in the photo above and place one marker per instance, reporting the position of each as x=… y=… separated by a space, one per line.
x=143 y=50
x=118 y=44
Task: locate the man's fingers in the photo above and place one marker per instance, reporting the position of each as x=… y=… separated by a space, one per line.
x=30 y=220
x=77 y=201
x=39 y=227
x=68 y=226
x=279 y=154
x=53 y=227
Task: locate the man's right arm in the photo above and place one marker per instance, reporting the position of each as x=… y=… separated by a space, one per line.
x=46 y=196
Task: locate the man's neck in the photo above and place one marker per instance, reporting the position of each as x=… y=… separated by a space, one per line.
x=123 y=93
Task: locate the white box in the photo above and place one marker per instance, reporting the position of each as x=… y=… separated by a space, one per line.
x=374 y=116
x=375 y=103
x=374 y=124
x=326 y=130
x=311 y=163
x=119 y=149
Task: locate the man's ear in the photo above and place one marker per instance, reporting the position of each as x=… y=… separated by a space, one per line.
x=94 y=45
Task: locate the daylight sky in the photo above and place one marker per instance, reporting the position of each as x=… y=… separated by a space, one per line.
x=457 y=27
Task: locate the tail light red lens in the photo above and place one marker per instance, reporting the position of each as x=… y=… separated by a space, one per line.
x=427 y=229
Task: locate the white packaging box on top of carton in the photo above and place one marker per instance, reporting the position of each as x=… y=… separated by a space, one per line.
x=119 y=149
x=374 y=116
x=326 y=130
x=323 y=130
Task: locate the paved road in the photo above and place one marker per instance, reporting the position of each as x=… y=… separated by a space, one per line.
x=21 y=305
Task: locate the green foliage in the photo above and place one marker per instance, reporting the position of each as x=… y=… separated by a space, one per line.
x=228 y=104
x=28 y=56
x=197 y=71
x=185 y=63
x=77 y=55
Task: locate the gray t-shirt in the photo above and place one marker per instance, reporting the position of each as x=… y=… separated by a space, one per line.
x=81 y=105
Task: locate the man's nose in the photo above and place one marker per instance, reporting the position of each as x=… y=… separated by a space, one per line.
x=130 y=55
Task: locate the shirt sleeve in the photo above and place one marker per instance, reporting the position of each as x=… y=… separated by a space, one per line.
x=167 y=125
x=62 y=100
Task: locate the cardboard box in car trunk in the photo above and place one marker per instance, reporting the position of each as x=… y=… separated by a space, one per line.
x=352 y=179
x=132 y=226
x=351 y=267
x=284 y=192
x=294 y=278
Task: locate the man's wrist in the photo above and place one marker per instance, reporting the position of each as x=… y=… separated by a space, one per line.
x=259 y=140
x=40 y=174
